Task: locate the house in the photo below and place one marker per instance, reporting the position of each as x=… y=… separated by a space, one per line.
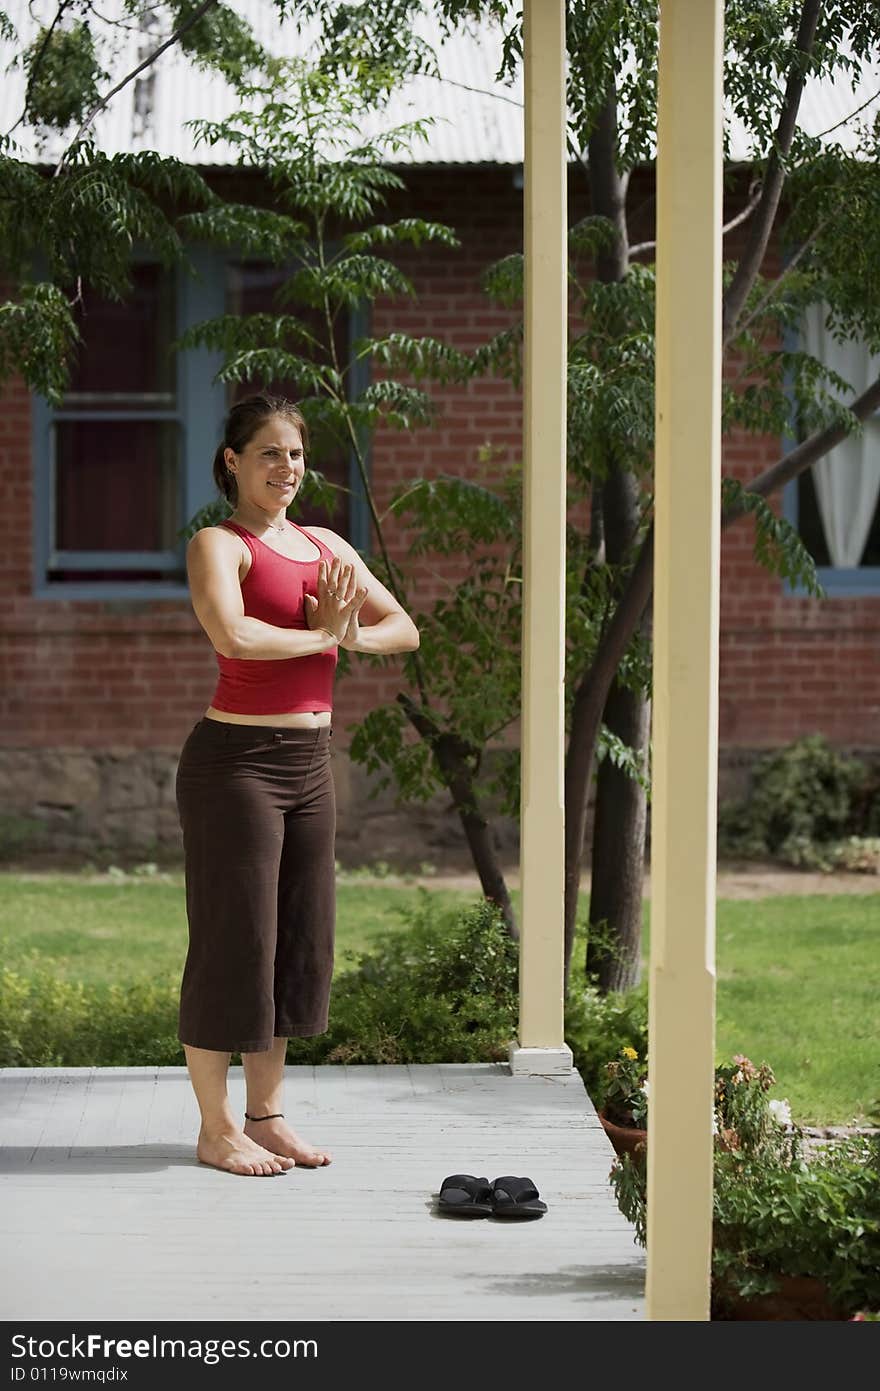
x=105 y=667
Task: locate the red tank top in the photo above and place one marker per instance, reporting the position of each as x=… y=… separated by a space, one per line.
x=273 y=590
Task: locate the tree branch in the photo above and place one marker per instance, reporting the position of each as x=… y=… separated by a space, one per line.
x=780 y=279
x=151 y=58
x=774 y=177
x=807 y=453
x=728 y=226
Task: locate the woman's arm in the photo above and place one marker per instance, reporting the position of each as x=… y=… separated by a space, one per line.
x=212 y=559
x=381 y=626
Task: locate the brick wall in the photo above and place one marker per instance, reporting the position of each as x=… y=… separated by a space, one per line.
x=91 y=675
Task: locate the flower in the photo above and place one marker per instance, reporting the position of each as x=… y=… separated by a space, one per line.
x=743 y=1114
x=780 y=1111
x=625 y=1094
x=743 y=1118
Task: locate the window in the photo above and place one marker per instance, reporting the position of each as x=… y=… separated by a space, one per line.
x=835 y=505
x=125 y=460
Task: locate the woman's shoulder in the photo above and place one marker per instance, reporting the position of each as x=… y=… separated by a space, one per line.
x=208 y=536
x=219 y=541
x=335 y=543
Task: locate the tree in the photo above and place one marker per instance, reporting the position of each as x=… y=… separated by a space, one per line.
x=831 y=214
x=765 y=44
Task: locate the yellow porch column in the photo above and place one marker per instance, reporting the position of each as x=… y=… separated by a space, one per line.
x=541 y=1047
x=686 y=583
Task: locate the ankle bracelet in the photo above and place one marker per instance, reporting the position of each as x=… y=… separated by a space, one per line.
x=276 y=1115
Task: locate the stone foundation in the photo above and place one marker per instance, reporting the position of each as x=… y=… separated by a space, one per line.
x=72 y=802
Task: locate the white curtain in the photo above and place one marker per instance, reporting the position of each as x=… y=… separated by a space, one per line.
x=848 y=479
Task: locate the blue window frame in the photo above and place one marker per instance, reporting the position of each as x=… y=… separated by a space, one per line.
x=183 y=421
x=801 y=509
x=178 y=427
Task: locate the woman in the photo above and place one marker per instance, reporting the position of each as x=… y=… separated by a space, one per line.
x=254 y=786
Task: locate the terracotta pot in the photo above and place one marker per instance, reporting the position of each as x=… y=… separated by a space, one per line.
x=799 y=1297
x=625 y=1138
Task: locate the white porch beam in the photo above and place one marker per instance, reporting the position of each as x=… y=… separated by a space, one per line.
x=686 y=585
x=541 y=1047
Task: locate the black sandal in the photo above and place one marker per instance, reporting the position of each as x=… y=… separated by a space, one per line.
x=462 y=1195
x=516 y=1197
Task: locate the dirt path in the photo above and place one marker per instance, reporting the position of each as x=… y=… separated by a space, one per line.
x=745 y=880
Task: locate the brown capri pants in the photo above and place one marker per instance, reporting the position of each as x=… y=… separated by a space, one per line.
x=257 y=806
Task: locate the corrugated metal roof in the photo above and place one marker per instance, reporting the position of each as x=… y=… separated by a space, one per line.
x=477 y=120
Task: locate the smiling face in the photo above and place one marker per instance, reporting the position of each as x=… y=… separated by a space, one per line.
x=270 y=467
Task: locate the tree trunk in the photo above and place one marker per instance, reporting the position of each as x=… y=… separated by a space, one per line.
x=589 y=703
x=621 y=804
x=618 y=858
x=614 y=950
x=455 y=761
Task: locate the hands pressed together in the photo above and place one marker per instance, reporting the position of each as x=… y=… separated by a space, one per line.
x=338 y=602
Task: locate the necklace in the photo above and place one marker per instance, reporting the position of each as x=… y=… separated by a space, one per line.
x=273 y=527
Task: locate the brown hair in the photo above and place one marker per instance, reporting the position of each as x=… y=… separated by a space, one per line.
x=242 y=423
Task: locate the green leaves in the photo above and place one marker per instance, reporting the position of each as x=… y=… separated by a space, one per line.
x=113 y=202
x=250 y=231
x=413 y=230
x=234 y=334
x=221 y=39
x=453 y=515
x=380 y=745
x=348 y=281
x=420 y=357
x=402 y=407
x=503 y=281
x=614 y=42
x=274 y=364
x=820 y=1219
x=778 y=547
x=63 y=73
x=37 y=335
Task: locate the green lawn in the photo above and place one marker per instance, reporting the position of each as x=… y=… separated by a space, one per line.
x=100 y=928
x=798 y=978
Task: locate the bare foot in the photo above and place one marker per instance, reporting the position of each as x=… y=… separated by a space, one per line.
x=236 y=1153
x=280 y=1139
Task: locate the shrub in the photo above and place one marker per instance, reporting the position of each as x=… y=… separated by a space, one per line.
x=444 y=990
x=598 y=1027
x=49 y=1022
x=803 y=799
x=819 y=1219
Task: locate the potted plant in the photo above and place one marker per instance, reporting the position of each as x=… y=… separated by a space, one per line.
x=624 y=1101
x=742 y=1114
x=794 y=1237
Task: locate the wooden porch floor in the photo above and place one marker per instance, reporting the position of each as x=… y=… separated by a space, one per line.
x=107 y=1213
